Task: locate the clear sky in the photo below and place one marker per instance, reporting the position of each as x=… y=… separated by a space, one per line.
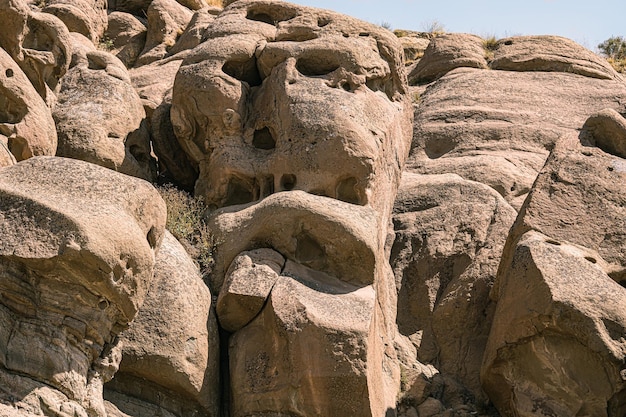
x=588 y=22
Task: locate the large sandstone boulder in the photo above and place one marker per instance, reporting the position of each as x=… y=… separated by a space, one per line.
x=99 y=116
x=497 y=127
x=38 y=42
x=549 y=54
x=557 y=342
x=26 y=125
x=450 y=233
x=172 y=345
x=447 y=52
x=312 y=183
x=166 y=22
x=87 y=17
x=127 y=35
x=77 y=255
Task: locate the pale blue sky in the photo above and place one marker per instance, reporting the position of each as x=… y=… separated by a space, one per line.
x=588 y=22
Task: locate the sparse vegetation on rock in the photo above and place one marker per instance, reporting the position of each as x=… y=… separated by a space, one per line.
x=376 y=223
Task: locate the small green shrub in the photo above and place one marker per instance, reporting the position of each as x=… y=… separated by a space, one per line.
x=614 y=49
x=105 y=44
x=185 y=220
x=490 y=44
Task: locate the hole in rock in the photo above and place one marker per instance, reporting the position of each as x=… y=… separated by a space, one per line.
x=263 y=139
x=9 y=72
x=508 y=43
x=266 y=186
x=246 y=71
x=364 y=34
x=590 y=259
x=611 y=169
x=347 y=191
x=37 y=38
x=345 y=35
x=346 y=86
x=151 y=238
x=553 y=242
x=322 y=21
x=239 y=192
x=308 y=251
x=314 y=66
x=288 y=182
x=103 y=304
x=271 y=15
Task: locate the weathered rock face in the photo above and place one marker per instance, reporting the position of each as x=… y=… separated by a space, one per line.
x=173 y=343
x=99 y=116
x=87 y=17
x=450 y=233
x=26 y=125
x=166 y=21
x=76 y=260
x=549 y=54
x=499 y=130
x=128 y=36
x=250 y=108
x=38 y=42
x=447 y=52
x=557 y=343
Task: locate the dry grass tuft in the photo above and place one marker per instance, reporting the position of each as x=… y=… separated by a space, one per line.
x=185 y=220
x=218 y=3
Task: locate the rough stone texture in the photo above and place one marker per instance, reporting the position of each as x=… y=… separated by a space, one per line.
x=606 y=129
x=139 y=7
x=192 y=36
x=154 y=82
x=77 y=253
x=313 y=183
x=447 y=52
x=87 y=17
x=282 y=371
x=249 y=281
x=550 y=53
x=557 y=344
x=99 y=117
x=166 y=22
x=173 y=342
x=38 y=42
x=128 y=35
x=450 y=233
x=496 y=127
x=26 y=125
x=173 y=164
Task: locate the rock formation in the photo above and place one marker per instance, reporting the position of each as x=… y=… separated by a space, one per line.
x=472 y=263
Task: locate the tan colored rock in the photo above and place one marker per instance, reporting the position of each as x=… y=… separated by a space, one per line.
x=313 y=183
x=167 y=20
x=579 y=197
x=77 y=257
x=99 y=116
x=192 y=36
x=496 y=127
x=174 y=165
x=139 y=7
x=281 y=372
x=447 y=52
x=38 y=42
x=450 y=233
x=128 y=36
x=556 y=346
x=26 y=125
x=607 y=131
x=173 y=342
x=249 y=281
x=414 y=47
x=154 y=82
x=87 y=17
x=557 y=342
x=550 y=53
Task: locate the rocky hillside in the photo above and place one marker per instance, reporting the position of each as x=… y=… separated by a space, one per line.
x=414 y=226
